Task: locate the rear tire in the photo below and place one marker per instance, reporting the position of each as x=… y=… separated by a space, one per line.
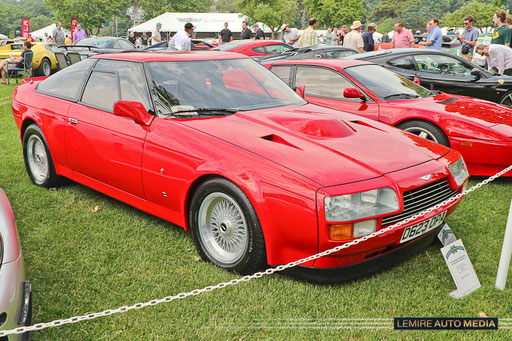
x=426 y=130
x=506 y=99
x=37 y=157
x=225 y=227
x=45 y=68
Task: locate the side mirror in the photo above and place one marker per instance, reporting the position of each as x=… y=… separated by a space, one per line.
x=134 y=110
x=353 y=93
x=301 y=90
x=475 y=72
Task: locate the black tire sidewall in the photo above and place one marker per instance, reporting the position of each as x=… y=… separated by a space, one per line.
x=432 y=128
x=51 y=179
x=254 y=257
x=503 y=98
x=40 y=69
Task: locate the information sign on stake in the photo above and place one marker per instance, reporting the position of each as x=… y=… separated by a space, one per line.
x=461 y=269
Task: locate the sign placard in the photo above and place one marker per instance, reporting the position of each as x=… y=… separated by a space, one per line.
x=446 y=235
x=461 y=269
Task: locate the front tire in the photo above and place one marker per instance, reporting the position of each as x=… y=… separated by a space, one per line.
x=225 y=227
x=37 y=157
x=426 y=130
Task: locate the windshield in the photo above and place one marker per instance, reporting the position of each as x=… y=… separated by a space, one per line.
x=98 y=42
x=386 y=84
x=233 y=84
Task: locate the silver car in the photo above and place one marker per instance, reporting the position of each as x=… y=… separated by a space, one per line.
x=15 y=290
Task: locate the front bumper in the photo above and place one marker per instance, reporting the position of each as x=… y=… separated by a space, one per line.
x=348 y=272
x=15 y=298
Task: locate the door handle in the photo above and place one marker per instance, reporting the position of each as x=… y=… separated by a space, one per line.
x=72 y=120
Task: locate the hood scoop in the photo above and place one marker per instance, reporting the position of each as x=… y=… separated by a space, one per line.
x=448 y=101
x=280 y=140
x=315 y=127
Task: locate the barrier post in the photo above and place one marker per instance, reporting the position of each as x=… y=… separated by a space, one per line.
x=506 y=253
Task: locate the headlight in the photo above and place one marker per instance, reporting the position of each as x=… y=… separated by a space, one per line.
x=459 y=171
x=361 y=205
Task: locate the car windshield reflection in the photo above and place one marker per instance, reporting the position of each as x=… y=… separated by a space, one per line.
x=229 y=85
x=386 y=84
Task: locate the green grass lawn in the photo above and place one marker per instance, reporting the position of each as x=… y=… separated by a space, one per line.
x=79 y=261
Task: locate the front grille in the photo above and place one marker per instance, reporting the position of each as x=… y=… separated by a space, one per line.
x=420 y=199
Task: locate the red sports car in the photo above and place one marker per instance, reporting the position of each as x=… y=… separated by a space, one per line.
x=251 y=47
x=479 y=129
x=218 y=144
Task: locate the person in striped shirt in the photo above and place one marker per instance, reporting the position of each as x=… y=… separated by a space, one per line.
x=309 y=37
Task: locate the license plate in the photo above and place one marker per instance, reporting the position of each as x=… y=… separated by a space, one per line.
x=419 y=229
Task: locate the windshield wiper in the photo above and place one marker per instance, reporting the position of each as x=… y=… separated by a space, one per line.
x=434 y=92
x=403 y=95
x=199 y=111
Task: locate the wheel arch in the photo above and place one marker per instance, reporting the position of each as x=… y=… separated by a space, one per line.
x=409 y=119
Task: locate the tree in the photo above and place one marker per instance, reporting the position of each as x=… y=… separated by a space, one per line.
x=224 y=6
x=92 y=14
x=482 y=13
x=272 y=13
x=331 y=13
x=154 y=8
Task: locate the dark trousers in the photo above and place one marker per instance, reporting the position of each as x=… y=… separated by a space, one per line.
x=507 y=72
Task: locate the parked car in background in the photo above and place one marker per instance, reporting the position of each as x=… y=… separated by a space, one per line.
x=219 y=145
x=480 y=130
x=439 y=70
x=251 y=47
x=15 y=289
x=107 y=43
x=309 y=52
x=197 y=44
x=43 y=60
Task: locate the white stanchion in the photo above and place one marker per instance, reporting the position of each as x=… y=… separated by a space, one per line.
x=506 y=253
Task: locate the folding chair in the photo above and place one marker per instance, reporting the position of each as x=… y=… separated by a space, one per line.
x=61 y=60
x=74 y=57
x=26 y=69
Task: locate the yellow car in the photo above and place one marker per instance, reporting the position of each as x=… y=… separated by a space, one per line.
x=44 y=60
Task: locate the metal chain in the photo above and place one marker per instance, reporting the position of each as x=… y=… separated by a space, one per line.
x=246 y=278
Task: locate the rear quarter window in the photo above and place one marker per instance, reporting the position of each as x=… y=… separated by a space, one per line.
x=67 y=83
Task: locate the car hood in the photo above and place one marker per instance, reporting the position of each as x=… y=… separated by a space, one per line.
x=476 y=110
x=329 y=147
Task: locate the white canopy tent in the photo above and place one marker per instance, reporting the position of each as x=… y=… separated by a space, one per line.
x=204 y=22
x=39 y=34
x=3 y=37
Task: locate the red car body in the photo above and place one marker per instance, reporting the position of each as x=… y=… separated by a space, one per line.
x=285 y=159
x=480 y=130
x=250 y=47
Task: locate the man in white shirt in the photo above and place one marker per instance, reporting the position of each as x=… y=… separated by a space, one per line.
x=156 y=36
x=498 y=57
x=353 y=39
x=290 y=35
x=182 y=40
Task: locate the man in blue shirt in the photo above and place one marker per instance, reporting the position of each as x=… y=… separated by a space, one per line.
x=369 y=44
x=435 y=37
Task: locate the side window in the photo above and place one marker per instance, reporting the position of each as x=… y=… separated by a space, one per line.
x=406 y=63
x=283 y=72
x=442 y=65
x=102 y=90
x=260 y=49
x=339 y=53
x=278 y=48
x=325 y=83
x=132 y=80
x=68 y=82
x=121 y=44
